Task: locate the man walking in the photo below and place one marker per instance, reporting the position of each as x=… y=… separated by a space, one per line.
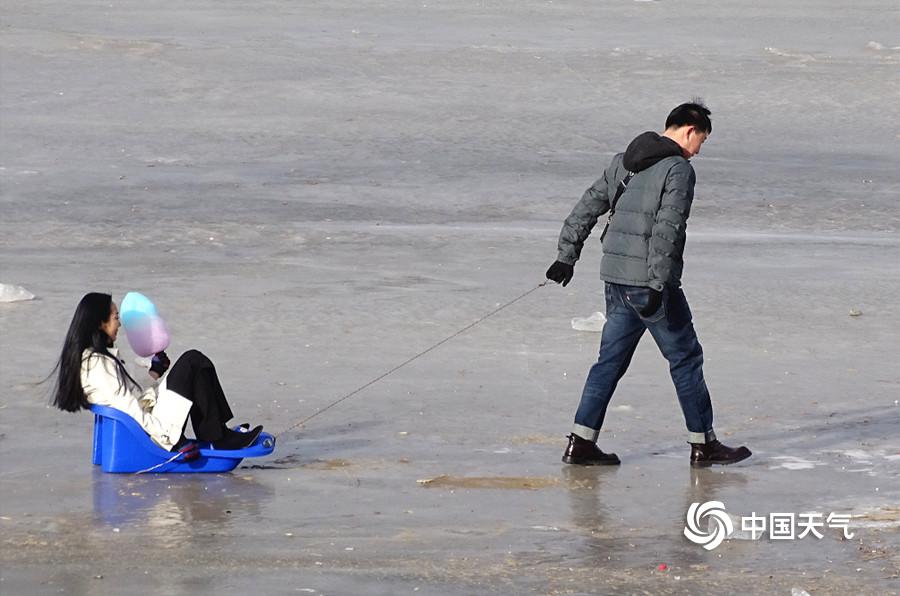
x=648 y=192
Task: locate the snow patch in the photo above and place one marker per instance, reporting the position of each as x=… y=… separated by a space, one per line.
x=795 y=463
x=11 y=293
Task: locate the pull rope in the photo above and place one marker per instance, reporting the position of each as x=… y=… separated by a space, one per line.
x=188 y=453
x=416 y=357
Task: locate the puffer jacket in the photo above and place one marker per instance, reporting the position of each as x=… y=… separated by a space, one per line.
x=645 y=240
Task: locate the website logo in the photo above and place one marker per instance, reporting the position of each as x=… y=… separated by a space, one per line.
x=718 y=524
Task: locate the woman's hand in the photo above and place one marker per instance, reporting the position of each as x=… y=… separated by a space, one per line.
x=159 y=365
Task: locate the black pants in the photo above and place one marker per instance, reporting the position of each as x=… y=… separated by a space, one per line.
x=193 y=376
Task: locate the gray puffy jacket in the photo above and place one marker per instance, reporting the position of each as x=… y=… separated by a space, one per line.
x=645 y=240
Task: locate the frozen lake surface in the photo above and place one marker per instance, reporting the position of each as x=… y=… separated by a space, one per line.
x=314 y=192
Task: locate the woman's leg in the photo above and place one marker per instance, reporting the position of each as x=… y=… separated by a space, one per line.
x=193 y=376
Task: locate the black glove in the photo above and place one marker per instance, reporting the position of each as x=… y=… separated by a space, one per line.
x=653 y=303
x=159 y=364
x=561 y=273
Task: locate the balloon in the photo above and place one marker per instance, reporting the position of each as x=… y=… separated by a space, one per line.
x=146 y=331
x=135 y=306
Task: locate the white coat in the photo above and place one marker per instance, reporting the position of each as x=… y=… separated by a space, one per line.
x=161 y=412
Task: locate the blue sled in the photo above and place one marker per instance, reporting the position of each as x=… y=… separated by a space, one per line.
x=122 y=446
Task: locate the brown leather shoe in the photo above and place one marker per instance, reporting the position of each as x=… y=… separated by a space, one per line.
x=582 y=452
x=707 y=454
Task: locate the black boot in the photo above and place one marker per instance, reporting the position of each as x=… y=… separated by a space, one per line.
x=233 y=439
x=582 y=452
x=707 y=454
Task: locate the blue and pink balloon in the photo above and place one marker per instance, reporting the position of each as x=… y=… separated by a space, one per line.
x=146 y=331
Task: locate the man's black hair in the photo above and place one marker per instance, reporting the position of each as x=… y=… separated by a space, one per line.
x=691 y=114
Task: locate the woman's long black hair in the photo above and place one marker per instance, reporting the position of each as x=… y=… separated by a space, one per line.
x=84 y=333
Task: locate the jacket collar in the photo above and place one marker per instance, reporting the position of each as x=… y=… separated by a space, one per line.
x=113 y=350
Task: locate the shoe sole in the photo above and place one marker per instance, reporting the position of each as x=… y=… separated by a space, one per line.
x=592 y=462
x=707 y=464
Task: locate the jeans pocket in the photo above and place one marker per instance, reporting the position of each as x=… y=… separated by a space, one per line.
x=638 y=298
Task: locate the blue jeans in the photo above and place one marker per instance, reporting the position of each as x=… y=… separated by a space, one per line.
x=672 y=328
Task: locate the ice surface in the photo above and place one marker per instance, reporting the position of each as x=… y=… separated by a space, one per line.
x=317 y=191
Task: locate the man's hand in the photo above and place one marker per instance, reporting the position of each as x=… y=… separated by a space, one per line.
x=653 y=303
x=561 y=273
x=159 y=365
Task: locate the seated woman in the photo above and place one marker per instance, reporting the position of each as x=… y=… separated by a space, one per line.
x=90 y=372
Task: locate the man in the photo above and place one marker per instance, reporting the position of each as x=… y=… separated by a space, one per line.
x=648 y=192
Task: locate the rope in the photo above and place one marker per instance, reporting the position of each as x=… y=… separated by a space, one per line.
x=416 y=357
x=168 y=461
x=189 y=452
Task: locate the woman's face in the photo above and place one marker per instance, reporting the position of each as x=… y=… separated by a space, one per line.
x=111 y=326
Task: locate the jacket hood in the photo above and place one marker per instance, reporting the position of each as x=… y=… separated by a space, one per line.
x=647 y=149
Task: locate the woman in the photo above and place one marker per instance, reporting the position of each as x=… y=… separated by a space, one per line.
x=90 y=372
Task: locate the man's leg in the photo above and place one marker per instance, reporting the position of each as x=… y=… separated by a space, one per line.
x=677 y=340
x=621 y=334
x=674 y=334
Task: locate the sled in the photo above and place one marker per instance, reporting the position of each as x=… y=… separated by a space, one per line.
x=122 y=446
